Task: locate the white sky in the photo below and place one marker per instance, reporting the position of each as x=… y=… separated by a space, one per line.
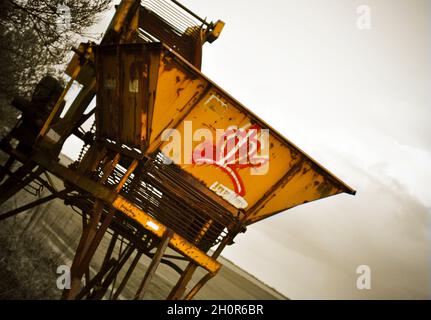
x=358 y=101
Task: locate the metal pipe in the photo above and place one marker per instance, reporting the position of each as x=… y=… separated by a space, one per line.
x=31 y=205
x=192 y=13
x=127 y=275
x=154 y=264
x=57 y=105
x=179 y=288
x=199 y=286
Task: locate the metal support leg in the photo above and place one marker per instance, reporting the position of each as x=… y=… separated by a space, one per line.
x=97 y=278
x=32 y=205
x=127 y=275
x=18 y=180
x=178 y=291
x=110 y=249
x=199 y=286
x=153 y=265
x=98 y=294
x=85 y=243
x=79 y=268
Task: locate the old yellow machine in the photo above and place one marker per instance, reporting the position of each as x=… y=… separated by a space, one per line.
x=172 y=161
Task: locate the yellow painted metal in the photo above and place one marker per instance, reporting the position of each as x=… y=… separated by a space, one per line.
x=177 y=91
x=147 y=91
x=120 y=21
x=217 y=29
x=138 y=215
x=186 y=98
x=178 y=97
x=159 y=229
x=84 y=52
x=120 y=203
x=126 y=176
x=59 y=103
x=122 y=28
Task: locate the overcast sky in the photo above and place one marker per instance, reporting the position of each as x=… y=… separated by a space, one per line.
x=357 y=101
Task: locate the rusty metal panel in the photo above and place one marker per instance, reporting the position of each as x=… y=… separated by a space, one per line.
x=223 y=145
x=304 y=182
x=107 y=93
x=287 y=177
x=178 y=90
x=86 y=74
x=122 y=94
x=122 y=28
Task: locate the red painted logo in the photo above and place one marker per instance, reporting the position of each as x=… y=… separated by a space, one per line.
x=236 y=149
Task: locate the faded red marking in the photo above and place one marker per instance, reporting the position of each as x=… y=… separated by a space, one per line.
x=236 y=149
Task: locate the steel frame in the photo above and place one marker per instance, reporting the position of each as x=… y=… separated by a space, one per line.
x=103 y=208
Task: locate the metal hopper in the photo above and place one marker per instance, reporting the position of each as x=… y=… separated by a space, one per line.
x=146 y=92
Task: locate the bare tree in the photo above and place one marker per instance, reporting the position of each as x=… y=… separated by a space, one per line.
x=36 y=36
